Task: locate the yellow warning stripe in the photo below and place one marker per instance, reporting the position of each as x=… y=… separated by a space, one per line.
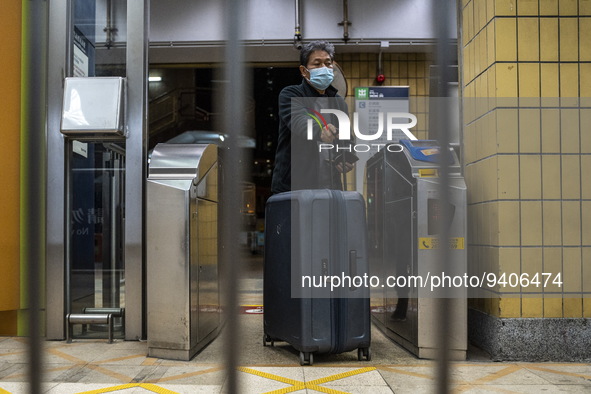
x=287 y=389
x=324 y=389
x=270 y=376
x=341 y=375
x=2 y=391
x=312 y=385
x=156 y=389
x=151 y=387
x=110 y=389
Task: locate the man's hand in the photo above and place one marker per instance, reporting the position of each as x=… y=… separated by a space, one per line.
x=348 y=167
x=329 y=133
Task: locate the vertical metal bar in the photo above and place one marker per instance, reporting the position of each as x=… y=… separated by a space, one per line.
x=442 y=26
x=135 y=164
x=58 y=67
x=232 y=162
x=33 y=165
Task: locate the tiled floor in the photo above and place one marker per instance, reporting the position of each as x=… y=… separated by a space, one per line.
x=94 y=366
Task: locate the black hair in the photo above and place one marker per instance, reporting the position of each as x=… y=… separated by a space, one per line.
x=315 y=46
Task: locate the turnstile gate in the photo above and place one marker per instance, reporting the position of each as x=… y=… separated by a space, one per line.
x=183 y=302
x=403 y=208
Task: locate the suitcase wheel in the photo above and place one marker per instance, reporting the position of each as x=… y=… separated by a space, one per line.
x=306 y=358
x=364 y=352
x=267 y=339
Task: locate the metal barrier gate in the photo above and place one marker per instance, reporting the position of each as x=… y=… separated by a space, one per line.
x=182 y=250
x=404 y=210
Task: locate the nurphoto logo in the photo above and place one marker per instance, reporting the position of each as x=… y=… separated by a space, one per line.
x=393 y=120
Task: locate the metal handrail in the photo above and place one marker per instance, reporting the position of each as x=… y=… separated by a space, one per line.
x=169 y=109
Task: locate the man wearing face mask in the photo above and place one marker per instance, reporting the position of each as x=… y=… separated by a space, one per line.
x=299 y=162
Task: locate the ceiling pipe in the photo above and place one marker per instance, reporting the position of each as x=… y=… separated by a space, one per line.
x=345 y=23
x=297 y=38
x=110 y=30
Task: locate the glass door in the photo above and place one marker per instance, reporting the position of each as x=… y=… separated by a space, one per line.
x=95 y=261
x=96 y=268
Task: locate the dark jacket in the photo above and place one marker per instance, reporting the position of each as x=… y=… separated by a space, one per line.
x=298 y=164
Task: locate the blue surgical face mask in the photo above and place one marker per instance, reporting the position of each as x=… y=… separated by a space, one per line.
x=321 y=78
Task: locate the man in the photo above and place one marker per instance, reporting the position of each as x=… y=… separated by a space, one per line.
x=299 y=163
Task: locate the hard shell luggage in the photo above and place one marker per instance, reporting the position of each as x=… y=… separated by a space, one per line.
x=316 y=234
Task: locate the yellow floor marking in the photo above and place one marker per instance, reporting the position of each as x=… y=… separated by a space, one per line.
x=156 y=389
x=108 y=372
x=463 y=386
x=111 y=389
x=341 y=376
x=13 y=353
x=2 y=391
x=487 y=387
x=270 y=376
x=497 y=375
x=20 y=375
x=325 y=389
x=578 y=375
x=147 y=386
x=186 y=375
x=67 y=356
x=149 y=361
x=402 y=372
x=95 y=367
x=287 y=389
x=312 y=385
x=119 y=359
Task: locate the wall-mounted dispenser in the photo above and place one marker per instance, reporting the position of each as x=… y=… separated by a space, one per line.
x=94 y=106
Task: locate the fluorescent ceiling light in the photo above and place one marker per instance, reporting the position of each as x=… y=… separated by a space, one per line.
x=154 y=79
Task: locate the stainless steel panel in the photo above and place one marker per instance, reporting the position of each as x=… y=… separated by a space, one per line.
x=208 y=303
x=138 y=22
x=181 y=161
x=182 y=250
x=168 y=271
x=398 y=211
x=429 y=261
x=59 y=30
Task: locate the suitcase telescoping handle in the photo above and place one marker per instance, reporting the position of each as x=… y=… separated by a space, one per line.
x=353 y=263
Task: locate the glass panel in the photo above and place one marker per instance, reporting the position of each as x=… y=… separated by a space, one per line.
x=96 y=176
x=97 y=276
x=99 y=38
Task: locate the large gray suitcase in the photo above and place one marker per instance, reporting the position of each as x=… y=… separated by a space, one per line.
x=316 y=233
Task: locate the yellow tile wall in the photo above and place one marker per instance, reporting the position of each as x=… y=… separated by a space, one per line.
x=400 y=69
x=10 y=64
x=548 y=7
x=549 y=39
x=533 y=58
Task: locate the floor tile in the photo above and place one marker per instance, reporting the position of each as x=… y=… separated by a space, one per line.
x=359 y=389
x=561 y=377
x=345 y=376
x=189 y=374
x=76 y=388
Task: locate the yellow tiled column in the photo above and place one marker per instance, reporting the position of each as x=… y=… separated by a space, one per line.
x=10 y=64
x=526 y=83
x=400 y=69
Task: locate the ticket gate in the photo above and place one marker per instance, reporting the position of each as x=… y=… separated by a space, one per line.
x=183 y=299
x=404 y=211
